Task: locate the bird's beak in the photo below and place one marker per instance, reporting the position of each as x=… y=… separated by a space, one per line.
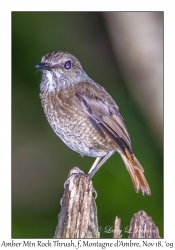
x=43 y=66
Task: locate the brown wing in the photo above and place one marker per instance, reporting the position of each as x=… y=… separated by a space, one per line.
x=105 y=118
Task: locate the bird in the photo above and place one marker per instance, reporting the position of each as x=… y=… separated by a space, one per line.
x=84 y=115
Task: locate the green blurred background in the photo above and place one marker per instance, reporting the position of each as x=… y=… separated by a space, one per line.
x=40 y=160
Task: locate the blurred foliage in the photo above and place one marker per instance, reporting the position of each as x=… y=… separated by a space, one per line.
x=40 y=160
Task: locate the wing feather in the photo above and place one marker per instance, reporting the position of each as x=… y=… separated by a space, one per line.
x=105 y=119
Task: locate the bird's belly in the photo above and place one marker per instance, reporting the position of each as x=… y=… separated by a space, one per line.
x=79 y=135
x=71 y=124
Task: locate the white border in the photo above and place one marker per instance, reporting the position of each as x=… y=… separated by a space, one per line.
x=5 y=93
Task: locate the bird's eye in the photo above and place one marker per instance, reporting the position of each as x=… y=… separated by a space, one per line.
x=67 y=65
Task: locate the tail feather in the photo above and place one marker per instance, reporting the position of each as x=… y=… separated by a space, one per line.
x=136 y=172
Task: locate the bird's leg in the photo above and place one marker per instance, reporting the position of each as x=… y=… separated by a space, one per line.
x=94 y=164
x=95 y=167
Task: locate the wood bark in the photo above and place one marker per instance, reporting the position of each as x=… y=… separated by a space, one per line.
x=78 y=215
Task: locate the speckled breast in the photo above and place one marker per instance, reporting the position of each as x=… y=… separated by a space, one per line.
x=71 y=124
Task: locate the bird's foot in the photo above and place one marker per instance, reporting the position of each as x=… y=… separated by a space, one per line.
x=75 y=175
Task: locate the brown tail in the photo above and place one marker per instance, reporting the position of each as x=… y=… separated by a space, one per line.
x=136 y=172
